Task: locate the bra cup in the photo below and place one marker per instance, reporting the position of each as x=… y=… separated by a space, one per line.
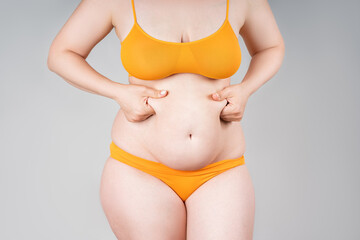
x=218 y=57
x=146 y=59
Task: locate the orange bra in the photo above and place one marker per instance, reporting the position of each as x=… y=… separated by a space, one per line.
x=216 y=56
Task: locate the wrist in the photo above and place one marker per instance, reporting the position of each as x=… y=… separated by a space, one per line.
x=117 y=91
x=245 y=88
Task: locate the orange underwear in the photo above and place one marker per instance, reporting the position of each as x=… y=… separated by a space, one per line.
x=183 y=182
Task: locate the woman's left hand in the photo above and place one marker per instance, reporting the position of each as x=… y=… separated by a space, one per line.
x=236 y=98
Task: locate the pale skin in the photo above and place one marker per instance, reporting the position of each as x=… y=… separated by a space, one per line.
x=163 y=215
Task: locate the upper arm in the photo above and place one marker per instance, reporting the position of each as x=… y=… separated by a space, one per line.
x=90 y=22
x=260 y=30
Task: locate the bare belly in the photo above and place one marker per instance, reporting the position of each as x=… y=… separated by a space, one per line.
x=186 y=133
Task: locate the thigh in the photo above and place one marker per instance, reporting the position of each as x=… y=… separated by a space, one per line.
x=139 y=205
x=223 y=207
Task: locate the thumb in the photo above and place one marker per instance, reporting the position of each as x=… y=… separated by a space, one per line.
x=154 y=93
x=221 y=95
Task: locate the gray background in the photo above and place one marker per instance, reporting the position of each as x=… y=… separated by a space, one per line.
x=301 y=128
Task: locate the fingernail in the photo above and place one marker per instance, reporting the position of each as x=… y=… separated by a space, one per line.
x=163 y=92
x=216 y=95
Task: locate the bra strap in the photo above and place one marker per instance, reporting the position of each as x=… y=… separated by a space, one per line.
x=133 y=7
x=227 y=9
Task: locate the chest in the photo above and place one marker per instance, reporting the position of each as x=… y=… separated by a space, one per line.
x=177 y=43
x=178 y=21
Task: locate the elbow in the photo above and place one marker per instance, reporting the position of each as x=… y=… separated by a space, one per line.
x=282 y=49
x=53 y=55
x=279 y=51
x=51 y=59
x=50 y=64
x=282 y=46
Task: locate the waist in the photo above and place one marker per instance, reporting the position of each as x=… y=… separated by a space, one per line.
x=186 y=131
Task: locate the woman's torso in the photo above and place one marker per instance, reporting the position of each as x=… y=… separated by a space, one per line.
x=186 y=133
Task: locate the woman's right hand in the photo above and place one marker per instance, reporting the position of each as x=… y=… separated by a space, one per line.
x=134 y=101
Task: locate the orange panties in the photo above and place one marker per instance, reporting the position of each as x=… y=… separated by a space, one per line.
x=183 y=182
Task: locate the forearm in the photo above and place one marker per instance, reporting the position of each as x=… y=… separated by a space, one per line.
x=263 y=66
x=75 y=70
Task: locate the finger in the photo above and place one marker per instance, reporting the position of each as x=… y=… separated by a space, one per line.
x=221 y=95
x=154 y=93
